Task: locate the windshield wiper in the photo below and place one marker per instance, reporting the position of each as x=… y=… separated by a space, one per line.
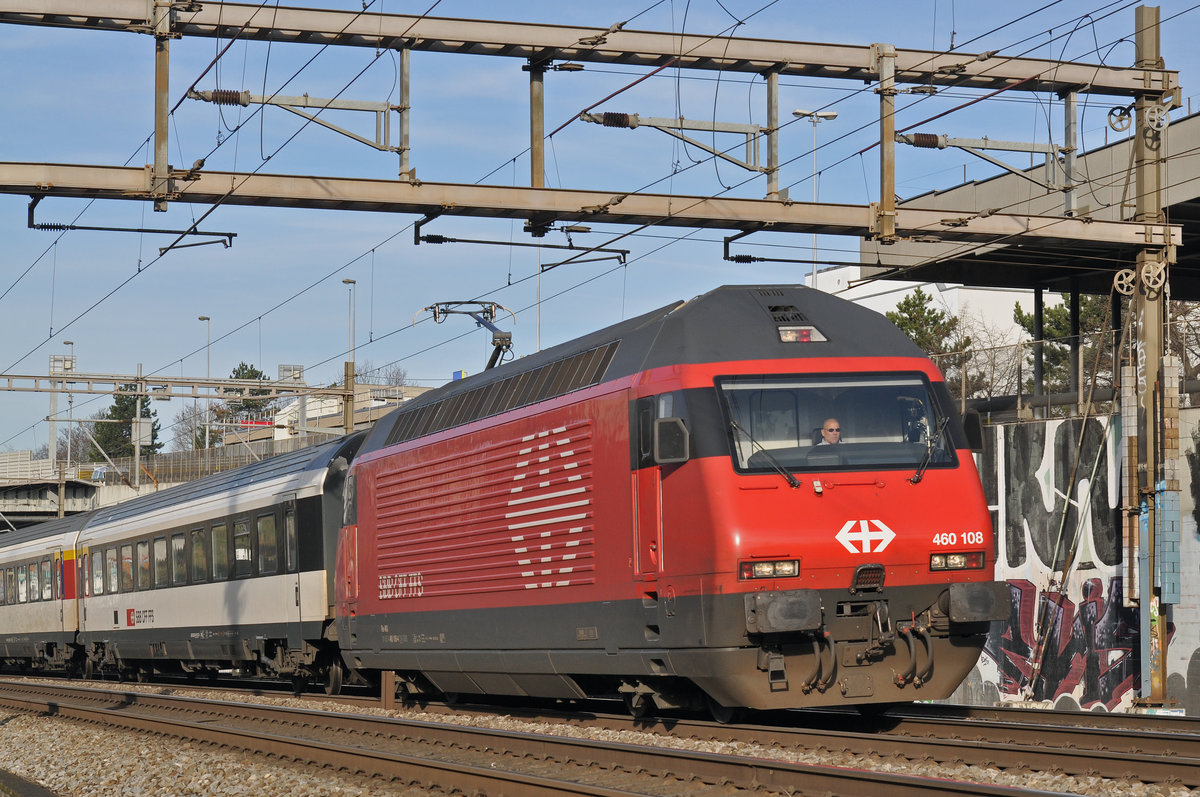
x=792 y=481
x=933 y=443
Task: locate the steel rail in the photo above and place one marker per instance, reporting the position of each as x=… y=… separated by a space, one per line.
x=299 y=735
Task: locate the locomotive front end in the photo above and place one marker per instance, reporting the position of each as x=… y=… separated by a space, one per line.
x=854 y=547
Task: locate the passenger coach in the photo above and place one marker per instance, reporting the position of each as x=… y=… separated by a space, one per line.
x=38 y=621
x=232 y=571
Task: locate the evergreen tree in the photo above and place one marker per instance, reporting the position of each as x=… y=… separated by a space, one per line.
x=247 y=409
x=1056 y=324
x=116 y=438
x=940 y=335
x=934 y=331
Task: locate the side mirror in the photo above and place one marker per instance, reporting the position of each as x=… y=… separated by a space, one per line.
x=973 y=426
x=671 y=441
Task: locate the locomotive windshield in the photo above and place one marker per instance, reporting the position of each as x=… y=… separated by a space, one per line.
x=871 y=422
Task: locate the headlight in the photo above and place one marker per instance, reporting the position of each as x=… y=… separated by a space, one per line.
x=785 y=568
x=971 y=560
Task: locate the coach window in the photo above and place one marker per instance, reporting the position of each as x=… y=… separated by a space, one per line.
x=22 y=585
x=162 y=567
x=47 y=581
x=293 y=546
x=141 y=572
x=12 y=586
x=97 y=572
x=2 y=590
x=199 y=556
x=112 y=571
x=127 y=567
x=84 y=575
x=178 y=558
x=220 y=552
x=242 y=553
x=33 y=581
x=268 y=545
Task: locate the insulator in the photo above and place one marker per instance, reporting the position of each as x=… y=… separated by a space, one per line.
x=54 y=226
x=926 y=140
x=434 y=239
x=612 y=119
x=230 y=97
x=743 y=258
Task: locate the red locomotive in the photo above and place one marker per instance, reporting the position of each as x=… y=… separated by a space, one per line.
x=661 y=511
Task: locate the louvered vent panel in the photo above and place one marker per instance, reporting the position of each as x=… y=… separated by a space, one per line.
x=514 y=515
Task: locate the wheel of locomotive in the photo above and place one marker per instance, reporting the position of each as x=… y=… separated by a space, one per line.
x=333 y=678
x=722 y=714
x=638 y=705
x=452 y=698
x=143 y=675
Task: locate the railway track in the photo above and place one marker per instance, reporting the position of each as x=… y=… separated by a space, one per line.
x=1133 y=748
x=436 y=755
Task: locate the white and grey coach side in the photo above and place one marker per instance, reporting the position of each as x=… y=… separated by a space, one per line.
x=231 y=571
x=38 y=622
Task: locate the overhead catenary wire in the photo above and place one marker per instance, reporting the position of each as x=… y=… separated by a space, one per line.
x=212 y=208
x=959 y=45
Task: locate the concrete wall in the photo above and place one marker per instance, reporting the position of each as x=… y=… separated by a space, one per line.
x=1054 y=490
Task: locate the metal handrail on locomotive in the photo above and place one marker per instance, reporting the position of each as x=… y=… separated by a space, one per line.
x=649 y=512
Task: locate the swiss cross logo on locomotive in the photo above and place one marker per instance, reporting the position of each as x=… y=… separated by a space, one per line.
x=867 y=533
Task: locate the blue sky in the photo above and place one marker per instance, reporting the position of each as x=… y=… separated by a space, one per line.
x=276 y=296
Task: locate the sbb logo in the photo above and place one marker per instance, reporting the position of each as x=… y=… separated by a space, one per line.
x=865 y=536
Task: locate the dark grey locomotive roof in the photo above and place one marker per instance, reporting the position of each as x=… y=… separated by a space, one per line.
x=313 y=458
x=730 y=323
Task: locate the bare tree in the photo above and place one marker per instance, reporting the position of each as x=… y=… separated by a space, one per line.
x=187 y=428
x=365 y=373
x=992 y=367
x=73 y=439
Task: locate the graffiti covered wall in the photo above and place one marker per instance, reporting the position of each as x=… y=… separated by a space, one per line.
x=1054 y=491
x=1183 y=653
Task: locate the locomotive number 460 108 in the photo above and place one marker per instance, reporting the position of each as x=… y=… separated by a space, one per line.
x=952 y=538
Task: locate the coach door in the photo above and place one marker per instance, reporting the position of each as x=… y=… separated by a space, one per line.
x=647 y=494
x=65 y=588
x=293 y=583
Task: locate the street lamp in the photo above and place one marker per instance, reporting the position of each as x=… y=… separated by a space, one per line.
x=348 y=402
x=70 y=403
x=815 y=117
x=353 y=299
x=207 y=377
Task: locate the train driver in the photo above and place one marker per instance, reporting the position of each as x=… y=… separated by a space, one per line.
x=831 y=432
